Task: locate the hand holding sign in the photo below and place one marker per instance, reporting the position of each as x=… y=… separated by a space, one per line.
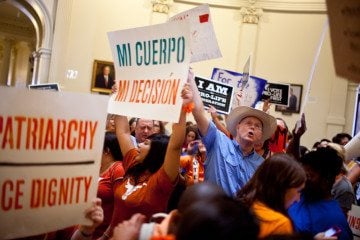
x=300 y=127
x=186 y=94
x=95 y=214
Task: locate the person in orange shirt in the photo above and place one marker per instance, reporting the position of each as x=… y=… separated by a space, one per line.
x=191 y=135
x=151 y=169
x=193 y=162
x=274 y=187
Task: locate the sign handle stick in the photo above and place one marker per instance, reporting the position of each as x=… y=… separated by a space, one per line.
x=308 y=85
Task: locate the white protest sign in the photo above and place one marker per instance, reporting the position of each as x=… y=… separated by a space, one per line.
x=251 y=93
x=204 y=44
x=344 y=19
x=151 y=65
x=50 y=153
x=354 y=220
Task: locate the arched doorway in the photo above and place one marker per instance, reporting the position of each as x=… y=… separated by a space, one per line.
x=25 y=41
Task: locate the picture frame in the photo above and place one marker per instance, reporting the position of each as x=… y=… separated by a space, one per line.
x=356 y=122
x=99 y=82
x=295 y=95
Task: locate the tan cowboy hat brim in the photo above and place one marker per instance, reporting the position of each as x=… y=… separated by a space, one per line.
x=239 y=113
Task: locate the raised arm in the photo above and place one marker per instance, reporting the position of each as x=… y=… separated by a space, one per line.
x=173 y=152
x=199 y=112
x=217 y=122
x=294 y=145
x=123 y=134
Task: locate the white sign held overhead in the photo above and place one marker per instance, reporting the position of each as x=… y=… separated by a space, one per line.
x=204 y=45
x=151 y=65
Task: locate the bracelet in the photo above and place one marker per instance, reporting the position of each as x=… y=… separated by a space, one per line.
x=85 y=234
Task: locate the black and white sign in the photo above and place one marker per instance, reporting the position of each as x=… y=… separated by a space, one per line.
x=214 y=93
x=45 y=86
x=278 y=93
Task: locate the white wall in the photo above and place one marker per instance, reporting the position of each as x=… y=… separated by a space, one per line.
x=283 y=44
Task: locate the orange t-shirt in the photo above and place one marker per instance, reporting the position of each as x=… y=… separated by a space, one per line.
x=187 y=163
x=271 y=222
x=149 y=196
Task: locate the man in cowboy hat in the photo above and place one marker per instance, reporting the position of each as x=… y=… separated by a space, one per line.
x=230 y=163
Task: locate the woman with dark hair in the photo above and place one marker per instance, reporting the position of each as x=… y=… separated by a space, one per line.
x=274 y=187
x=132 y=125
x=342 y=138
x=191 y=134
x=111 y=173
x=317 y=211
x=219 y=218
x=151 y=170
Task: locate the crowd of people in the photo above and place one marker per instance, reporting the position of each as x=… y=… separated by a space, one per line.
x=247 y=179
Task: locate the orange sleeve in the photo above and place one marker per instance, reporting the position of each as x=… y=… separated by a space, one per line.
x=129 y=158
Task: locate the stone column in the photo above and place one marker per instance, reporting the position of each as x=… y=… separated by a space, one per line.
x=160 y=10
x=21 y=68
x=41 y=66
x=5 y=55
x=248 y=35
x=350 y=110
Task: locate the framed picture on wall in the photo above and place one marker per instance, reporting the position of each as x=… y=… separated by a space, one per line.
x=295 y=94
x=356 y=122
x=103 y=76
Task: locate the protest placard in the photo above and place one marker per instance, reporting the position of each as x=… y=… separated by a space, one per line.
x=344 y=21
x=276 y=93
x=204 y=45
x=214 y=93
x=51 y=146
x=250 y=94
x=354 y=220
x=151 y=65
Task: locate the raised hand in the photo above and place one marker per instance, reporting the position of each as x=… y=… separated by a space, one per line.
x=130 y=229
x=186 y=94
x=212 y=111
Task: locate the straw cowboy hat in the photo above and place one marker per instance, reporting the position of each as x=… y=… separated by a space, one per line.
x=239 y=113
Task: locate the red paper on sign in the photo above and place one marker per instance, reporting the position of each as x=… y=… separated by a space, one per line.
x=204 y=18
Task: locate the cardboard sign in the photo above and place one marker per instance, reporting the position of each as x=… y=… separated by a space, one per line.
x=50 y=159
x=151 y=65
x=204 y=44
x=278 y=93
x=45 y=86
x=214 y=93
x=354 y=221
x=251 y=93
x=344 y=20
